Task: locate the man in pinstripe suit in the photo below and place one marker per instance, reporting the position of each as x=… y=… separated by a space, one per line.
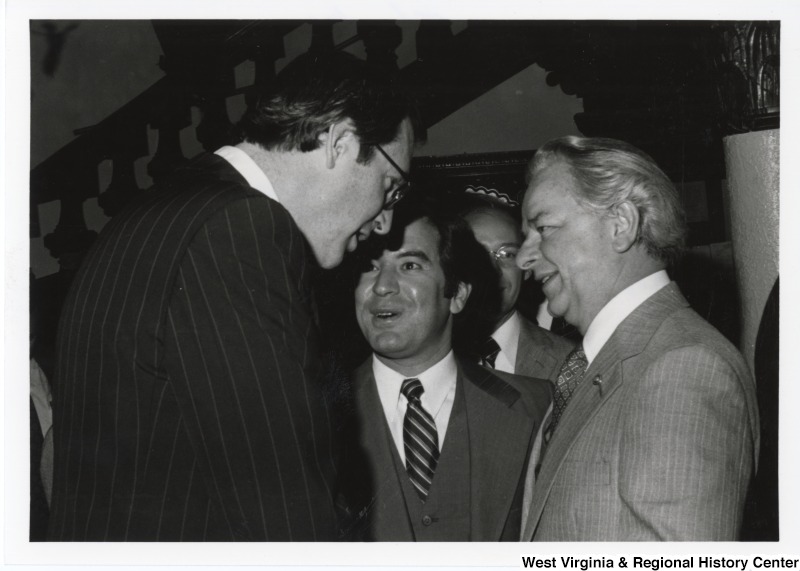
x=659 y=435
x=189 y=398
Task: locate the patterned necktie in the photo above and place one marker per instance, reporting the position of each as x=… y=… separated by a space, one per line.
x=489 y=351
x=569 y=377
x=420 y=439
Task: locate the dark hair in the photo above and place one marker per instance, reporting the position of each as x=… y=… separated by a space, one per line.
x=316 y=91
x=609 y=172
x=463 y=260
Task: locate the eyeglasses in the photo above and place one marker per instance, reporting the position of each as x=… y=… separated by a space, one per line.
x=506 y=255
x=395 y=195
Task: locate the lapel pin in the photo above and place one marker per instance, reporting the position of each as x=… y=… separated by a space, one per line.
x=598 y=382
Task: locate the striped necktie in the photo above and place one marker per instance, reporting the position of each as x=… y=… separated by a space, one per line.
x=489 y=351
x=420 y=439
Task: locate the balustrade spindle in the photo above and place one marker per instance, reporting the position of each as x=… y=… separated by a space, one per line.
x=381 y=40
x=215 y=126
x=71 y=238
x=321 y=38
x=172 y=115
x=126 y=146
x=265 y=56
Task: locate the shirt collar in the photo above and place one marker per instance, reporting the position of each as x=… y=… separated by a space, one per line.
x=615 y=311
x=248 y=168
x=507 y=337
x=437 y=382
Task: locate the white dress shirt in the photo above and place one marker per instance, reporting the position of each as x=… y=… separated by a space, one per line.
x=507 y=337
x=248 y=168
x=439 y=382
x=616 y=310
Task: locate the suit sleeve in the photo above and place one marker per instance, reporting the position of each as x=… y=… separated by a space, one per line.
x=686 y=451
x=244 y=367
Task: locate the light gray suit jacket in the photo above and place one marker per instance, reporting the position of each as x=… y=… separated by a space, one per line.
x=540 y=353
x=659 y=441
x=503 y=414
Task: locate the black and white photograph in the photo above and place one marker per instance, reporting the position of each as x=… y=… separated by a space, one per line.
x=409 y=286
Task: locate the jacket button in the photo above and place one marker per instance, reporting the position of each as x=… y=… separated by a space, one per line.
x=427 y=520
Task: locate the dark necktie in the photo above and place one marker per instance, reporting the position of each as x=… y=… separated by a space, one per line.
x=565 y=330
x=420 y=439
x=489 y=351
x=558 y=325
x=569 y=377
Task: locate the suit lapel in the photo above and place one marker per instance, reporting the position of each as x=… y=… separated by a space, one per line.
x=602 y=379
x=585 y=403
x=376 y=441
x=536 y=354
x=499 y=438
x=531 y=356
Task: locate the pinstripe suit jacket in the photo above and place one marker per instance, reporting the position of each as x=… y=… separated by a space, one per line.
x=188 y=394
x=663 y=447
x=503 y=414
x=540 y=352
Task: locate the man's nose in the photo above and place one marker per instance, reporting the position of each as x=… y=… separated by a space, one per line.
x=383 y=222
x=385 y=282
x=529 y=252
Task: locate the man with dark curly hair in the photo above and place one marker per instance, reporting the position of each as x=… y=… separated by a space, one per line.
x=439 y=444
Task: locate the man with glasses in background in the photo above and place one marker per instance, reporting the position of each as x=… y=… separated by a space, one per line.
x=516 y=345
x=190 y=402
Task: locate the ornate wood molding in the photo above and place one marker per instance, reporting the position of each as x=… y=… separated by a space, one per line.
x=748 y=76
x=473 y=163
x=495 y=173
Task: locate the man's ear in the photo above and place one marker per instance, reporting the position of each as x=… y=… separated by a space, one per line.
x=459 y=300
x=624 y=226
x=338 y=142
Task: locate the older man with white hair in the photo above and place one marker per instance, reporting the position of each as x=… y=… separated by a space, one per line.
x=654 y=431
